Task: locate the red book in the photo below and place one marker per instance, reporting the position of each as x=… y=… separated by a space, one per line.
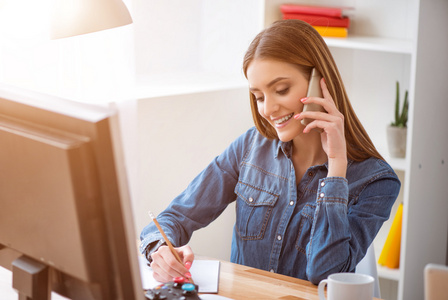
x=335 y=12
x=319 y=20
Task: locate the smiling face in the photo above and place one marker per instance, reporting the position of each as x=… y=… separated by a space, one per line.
x=278 y=87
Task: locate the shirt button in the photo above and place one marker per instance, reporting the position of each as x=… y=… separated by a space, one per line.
x=291 y=203
x=310 y=173
x=321 y=195
x=322 y=183
x=279 y=237
x=251 y=199
x=271 y=270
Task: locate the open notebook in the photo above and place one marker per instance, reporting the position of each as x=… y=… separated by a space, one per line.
x=204 y=272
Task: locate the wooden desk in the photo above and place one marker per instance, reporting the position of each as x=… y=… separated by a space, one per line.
x=236 y=282
x=240 y=282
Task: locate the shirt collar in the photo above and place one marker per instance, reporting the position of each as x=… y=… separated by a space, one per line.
x=284 y=147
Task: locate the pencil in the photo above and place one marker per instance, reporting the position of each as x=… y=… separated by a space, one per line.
x=151 y=215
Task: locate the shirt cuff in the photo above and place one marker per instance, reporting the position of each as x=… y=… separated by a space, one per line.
x=333 y=190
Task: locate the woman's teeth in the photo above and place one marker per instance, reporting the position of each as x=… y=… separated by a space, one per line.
x=284 y=119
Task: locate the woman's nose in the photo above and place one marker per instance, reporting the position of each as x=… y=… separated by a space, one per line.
x=270 y=106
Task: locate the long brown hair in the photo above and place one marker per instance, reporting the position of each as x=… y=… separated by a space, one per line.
x=298 y=43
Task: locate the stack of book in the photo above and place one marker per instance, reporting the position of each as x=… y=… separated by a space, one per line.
x=328 y=21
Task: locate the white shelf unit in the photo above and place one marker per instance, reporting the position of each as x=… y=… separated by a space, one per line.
x=387 y=273
x=401 y=41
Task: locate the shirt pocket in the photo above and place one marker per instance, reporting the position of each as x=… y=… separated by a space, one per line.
x=305 y=224
x=253 y=211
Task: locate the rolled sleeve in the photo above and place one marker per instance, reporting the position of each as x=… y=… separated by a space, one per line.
x=330 y=228
x=343 y=229
x=149 y=236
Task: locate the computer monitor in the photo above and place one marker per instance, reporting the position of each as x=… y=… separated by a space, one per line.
x=65 y=216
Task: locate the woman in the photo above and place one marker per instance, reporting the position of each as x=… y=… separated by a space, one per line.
x=309 y=199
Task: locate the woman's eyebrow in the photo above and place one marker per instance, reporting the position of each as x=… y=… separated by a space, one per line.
x=271 y=83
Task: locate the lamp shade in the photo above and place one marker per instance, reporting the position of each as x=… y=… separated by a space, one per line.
x=75 y=17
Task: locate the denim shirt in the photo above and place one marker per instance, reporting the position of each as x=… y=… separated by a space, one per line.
x=309 y=230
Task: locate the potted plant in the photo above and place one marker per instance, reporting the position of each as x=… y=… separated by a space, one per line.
x=397 y=130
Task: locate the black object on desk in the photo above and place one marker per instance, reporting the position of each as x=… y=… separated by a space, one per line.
x=175 y=290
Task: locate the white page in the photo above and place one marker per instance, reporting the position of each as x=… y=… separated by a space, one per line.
x=205 y=274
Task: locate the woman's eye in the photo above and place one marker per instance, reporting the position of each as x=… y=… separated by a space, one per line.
x=258 y=99
x=283 y=92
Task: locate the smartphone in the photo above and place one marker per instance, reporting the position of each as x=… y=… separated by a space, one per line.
x=314 y=90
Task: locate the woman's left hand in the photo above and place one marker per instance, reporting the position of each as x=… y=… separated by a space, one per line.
x=331 y=126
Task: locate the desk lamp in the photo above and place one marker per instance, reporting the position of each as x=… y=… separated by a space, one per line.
x=75 y=17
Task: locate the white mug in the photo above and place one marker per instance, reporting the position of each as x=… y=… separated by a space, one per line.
x=347 y=286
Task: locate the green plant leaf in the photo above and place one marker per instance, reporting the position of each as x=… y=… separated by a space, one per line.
x=397 y=105
x=401 y=119
x=404 y=111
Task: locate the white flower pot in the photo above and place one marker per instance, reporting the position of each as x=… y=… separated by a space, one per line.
x=396 y=140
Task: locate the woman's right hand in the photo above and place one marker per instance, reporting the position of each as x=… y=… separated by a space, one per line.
x=166 y=267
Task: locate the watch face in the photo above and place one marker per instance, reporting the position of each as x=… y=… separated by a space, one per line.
x=153 y=247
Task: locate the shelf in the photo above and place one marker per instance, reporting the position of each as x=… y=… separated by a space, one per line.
x=179 y=83
x=372 y=44
x=399 y=164
x=387 y=273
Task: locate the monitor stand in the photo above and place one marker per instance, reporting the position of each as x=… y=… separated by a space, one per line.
x=31 y=279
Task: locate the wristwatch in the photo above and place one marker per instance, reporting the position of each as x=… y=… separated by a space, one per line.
x=153 y=247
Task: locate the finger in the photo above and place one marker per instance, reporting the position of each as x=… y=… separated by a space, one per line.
x=159 y=278
x=160 y=274
x=167 y=274
x=326 y=103
x=318 y=126
x=166 y=264
x=172 y=261
x=187 y=254
x=322 y=126
x=325 y=91
x=324 y=100
x=316 y=115
x=326 y=94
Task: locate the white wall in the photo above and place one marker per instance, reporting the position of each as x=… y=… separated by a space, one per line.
x=192 y=37
x=192 y=99
x=179 y=136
